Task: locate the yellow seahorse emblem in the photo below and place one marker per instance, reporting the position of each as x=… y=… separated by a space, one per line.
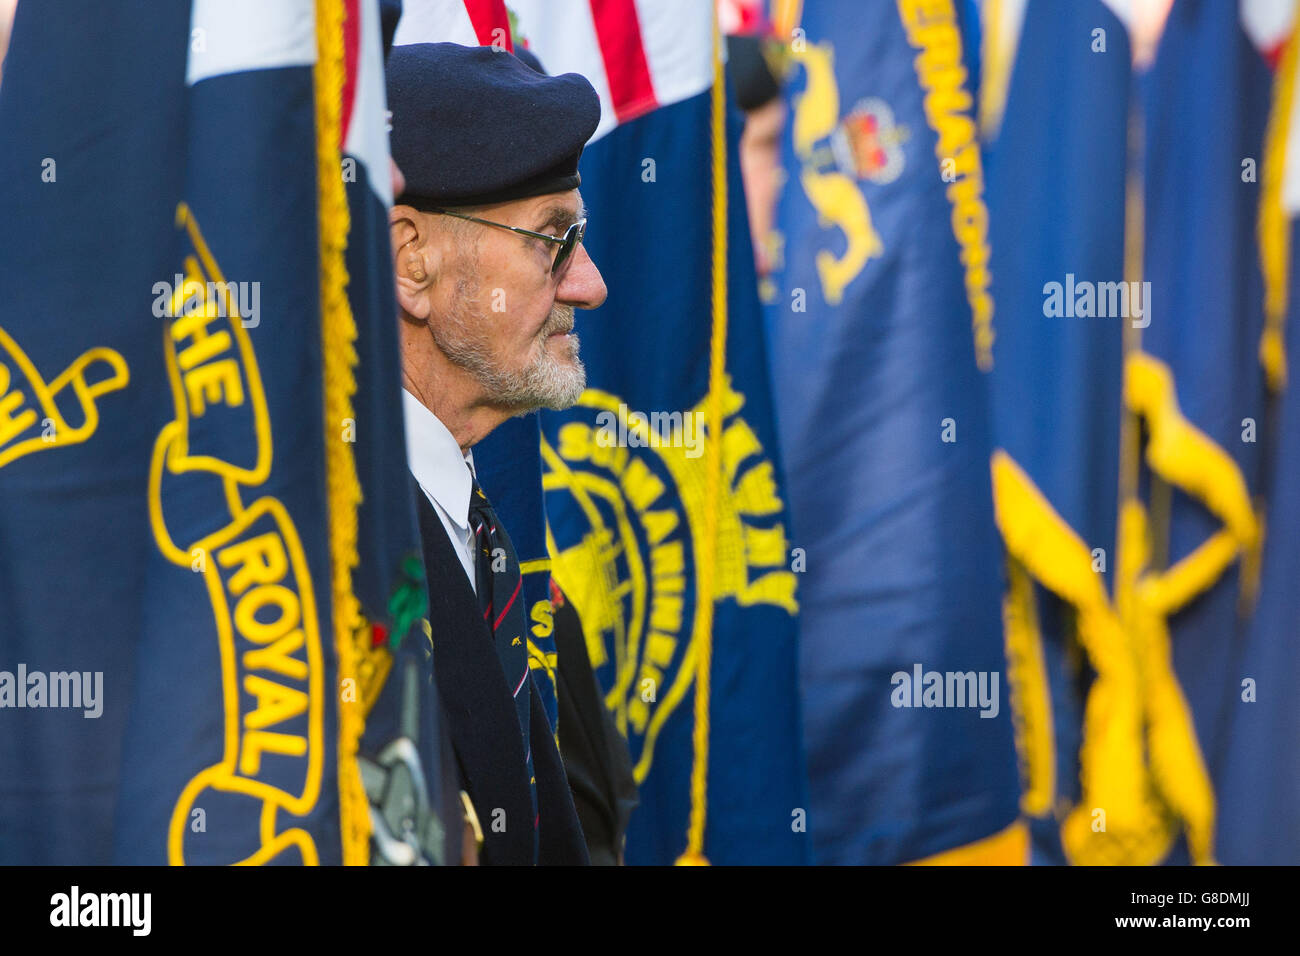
x=834 y=195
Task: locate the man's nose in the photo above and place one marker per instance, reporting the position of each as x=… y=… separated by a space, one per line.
x=582 y=286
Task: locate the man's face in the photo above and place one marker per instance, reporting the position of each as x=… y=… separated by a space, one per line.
x=498 y=312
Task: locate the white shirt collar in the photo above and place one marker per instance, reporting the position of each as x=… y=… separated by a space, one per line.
x=436 y=461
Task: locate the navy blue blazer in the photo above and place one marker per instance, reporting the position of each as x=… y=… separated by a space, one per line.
x=484 y=727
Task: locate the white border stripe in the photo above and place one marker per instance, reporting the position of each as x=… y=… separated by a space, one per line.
x=368 y=133
x=678 y=40
x=434 y=21
x=1267 y=22
x=237 y=35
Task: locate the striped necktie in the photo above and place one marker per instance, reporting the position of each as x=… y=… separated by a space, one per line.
x=500 y=598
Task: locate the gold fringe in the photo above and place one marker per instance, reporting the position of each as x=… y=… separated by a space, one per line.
x=1189 y=460
x=339 y=357
x=786 y=17
x=1141 y=769
x=1182 y=454
x=1113 y=772
x=1166 y=592
x=1031 y=699
x=694 y=853
x=1274 y=226
x=1252 y=564
x=1178 y=769
x=997 y=56
x=1009 y=847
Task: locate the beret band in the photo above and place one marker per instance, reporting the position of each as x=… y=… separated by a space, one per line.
x=555 y=180
x=474 y=126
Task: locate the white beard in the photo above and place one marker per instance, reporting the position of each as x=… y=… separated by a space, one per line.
x=547 y=382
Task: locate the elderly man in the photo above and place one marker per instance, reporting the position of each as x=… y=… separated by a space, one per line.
x=487 y=244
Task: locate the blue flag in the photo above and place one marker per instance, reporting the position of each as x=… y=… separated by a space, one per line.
x=1196 y=384
x=1055 y=112
x=663 y=491
x=877 y=342
x=1133 y=429
x=1258 y=782
x=184 y=461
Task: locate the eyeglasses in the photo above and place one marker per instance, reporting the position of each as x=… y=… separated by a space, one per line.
x=567 y=242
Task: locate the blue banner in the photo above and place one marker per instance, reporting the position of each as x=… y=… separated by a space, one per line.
x=190 y=433
x=1055 y=112
x=663 y=562
x=877 y=342
x=1197 y=384
x=1257 y=782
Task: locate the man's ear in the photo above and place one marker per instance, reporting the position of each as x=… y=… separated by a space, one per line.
x=415 y=260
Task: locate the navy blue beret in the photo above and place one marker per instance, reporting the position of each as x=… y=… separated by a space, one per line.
x=474 y=126
x=530 y=58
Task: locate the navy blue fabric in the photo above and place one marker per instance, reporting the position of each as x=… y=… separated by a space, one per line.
x=903 y=556
x=530 y=58
x=1257 y=780
x=500 y=598
x=474 y=125
x=484 y=727
x=74 y=543
x=1056 y=187
x=1206 y=102
x=84 y=584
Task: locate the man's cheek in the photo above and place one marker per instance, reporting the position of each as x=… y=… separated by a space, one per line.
x=527 y=345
